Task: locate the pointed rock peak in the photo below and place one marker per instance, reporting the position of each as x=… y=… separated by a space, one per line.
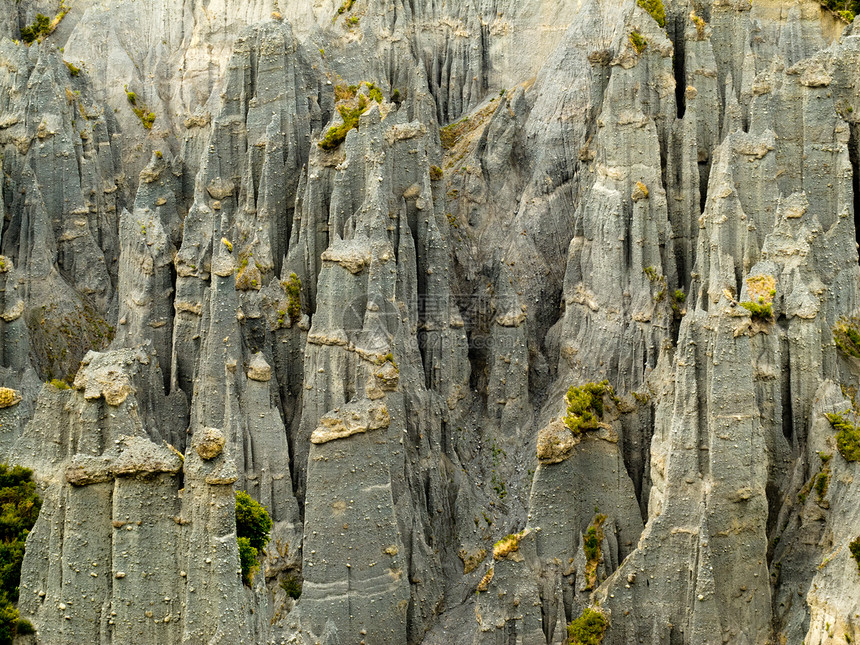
x=259 y=369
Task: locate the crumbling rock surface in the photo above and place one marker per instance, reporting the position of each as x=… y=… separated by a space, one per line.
x=374 y=336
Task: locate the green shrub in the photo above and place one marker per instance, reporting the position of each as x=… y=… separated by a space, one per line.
x=761 y=311
x=25 y=627
x=8 y=621
x=822 y=481
x=588 y=629
x=73 y=69
x=252 y=520
x=39 y=29
x=60 y=385
x=247 y=560
x=854 y=547
x=656 y=9
x=585 y=406
x=844 y=9
x=147 y=118
x=678 y=299
x=847 y=437
x=19 y=508
x=293 y=586
x=293 y=287
x=336 y=134
x=435 y=173
x=591 y=541
x=374 y=92
x=253 y=525
x=846 y=335
x=141 y=111
x=638 y=42
x=345 y=7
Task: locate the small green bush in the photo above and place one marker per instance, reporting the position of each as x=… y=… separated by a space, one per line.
x=847 y=437
x=146 y=117
x=336 y=134
x=19 y=508
x=345 y=7
x=60 y=385
x=588 y=629
x=822 y=482
x=39 y=29
x=591 y=543
x=585 y=406
x=374 y=92
x=247 y=560
x=678 y=299
x=252 y=520
x=141 y=111
x=656 y=9
x=8 y=621
x=74 y=70
x=435 y=173
x=844 y=9
x=293 y=287
x=25 y=627
x=253 y=525
x=761 y=311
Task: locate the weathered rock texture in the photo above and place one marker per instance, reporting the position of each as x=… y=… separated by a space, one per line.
x=374 y=337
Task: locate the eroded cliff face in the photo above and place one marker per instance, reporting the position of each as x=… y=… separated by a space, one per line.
x=374 y=336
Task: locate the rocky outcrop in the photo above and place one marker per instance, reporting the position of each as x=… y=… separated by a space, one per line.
x=351 y=257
